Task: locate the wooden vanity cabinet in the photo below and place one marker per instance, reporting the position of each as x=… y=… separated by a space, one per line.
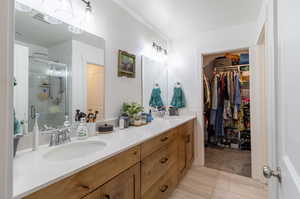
x=159 y=166
x=151 y=170
x=125 y=186
x=185 y=147
x=85 y=182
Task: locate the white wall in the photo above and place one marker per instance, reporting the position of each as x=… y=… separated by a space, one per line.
x=120 y=31
x=186 y=61
x=21 y=67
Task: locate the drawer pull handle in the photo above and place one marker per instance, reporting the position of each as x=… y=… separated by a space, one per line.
x=164 y=139
x=84 y=186
x=164 y=188
x=106 y=196
x=188 y=139
x=164 y=160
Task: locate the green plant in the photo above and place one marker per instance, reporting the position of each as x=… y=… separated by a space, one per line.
x=132 y=110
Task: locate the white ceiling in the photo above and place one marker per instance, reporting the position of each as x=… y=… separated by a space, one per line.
x=181 y=18
x=30 y=30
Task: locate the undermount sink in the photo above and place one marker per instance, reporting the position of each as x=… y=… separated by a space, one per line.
x=74 y=150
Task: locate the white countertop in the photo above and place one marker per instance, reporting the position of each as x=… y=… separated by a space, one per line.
x=33 y=172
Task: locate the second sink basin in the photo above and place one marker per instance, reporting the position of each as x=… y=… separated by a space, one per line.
x=74 y=150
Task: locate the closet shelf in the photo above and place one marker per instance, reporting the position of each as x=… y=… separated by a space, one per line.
x=231 y=67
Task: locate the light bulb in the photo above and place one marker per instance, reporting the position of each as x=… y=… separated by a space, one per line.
x=88 y=14
x=75 y=30
x=52 y=20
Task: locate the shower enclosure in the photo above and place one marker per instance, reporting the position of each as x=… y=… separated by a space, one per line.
x=48 y=94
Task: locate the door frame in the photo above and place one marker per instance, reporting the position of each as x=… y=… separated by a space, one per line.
x=6 y=102
x=268 y=26
x=201 y=142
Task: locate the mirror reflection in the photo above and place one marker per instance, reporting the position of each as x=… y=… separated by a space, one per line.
x=155 y=83
x=58 y=69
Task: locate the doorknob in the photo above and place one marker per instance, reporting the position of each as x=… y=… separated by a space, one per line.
x=269 y=173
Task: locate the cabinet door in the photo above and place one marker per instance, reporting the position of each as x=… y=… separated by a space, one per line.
x=189 y=147
x=185 y=147
x=124 y=186
x=94 y=195
x=181 y=151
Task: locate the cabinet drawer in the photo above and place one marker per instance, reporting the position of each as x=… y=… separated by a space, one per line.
x=86 y=181
x=164 y=186
x=157 y=165
x=156 y=143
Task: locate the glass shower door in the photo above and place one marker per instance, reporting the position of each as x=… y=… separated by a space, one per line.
x=47 y=93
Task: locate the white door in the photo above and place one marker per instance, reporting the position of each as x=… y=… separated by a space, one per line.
x=287 y=81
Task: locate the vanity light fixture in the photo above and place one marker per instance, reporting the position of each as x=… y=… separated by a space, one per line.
x=159 y=49
x=88 y=10
x=88 y=7
x=75 y=30
x=52 y=20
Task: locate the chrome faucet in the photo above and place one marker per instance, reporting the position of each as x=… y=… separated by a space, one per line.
x=59 y=136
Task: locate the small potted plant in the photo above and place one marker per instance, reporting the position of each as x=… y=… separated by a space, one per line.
x=133 y=110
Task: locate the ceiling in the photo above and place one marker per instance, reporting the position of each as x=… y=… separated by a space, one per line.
x=31 y=28
x=181 y=18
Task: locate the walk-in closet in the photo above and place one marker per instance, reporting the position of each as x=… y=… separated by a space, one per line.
x=227 y=128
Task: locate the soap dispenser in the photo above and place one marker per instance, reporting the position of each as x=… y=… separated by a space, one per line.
x=36 y=133
x=68 y=125
x=82 y=130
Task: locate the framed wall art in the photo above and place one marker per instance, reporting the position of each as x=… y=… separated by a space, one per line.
x=126 y=64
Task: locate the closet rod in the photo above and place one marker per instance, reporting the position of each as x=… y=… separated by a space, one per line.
x=230 y=67
x=234 y=66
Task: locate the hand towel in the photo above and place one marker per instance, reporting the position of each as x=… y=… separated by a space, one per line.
x=155 y=100
x=178 y=99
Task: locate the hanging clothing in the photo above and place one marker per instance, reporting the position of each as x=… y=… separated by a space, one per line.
x=156 y=100
x=178 y=99
x=216 y=114
x=207 y=97
x=237 y=91
x=237 y=96
x=214 y=92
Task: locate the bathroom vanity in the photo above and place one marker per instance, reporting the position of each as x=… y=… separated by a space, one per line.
x=145 y=162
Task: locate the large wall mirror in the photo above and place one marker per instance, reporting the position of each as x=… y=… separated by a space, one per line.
x=58 y=69
x=154 y=83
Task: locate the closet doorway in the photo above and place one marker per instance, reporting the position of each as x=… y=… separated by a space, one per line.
x=227 y=101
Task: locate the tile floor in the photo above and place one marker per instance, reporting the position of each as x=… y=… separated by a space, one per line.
x=206 y=183
x=232 y=161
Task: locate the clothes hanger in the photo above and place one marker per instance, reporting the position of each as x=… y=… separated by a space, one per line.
x=156 y=85
x=177 y=84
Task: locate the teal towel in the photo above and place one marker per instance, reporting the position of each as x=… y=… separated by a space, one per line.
x=155 y=100
x=17 y=125
x=178 y=99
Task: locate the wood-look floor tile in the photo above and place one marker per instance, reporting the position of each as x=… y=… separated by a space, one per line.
x=182 y=194
x=227 y=195
x=204 y=183
x=199 y=190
